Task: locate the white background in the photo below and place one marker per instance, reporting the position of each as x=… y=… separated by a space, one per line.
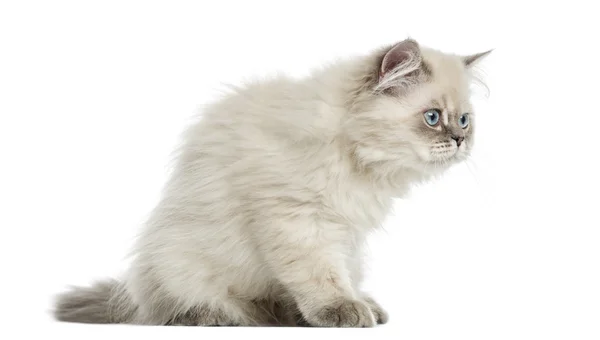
x=94 y=94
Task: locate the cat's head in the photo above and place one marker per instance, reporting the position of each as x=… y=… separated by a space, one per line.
x=414 y=111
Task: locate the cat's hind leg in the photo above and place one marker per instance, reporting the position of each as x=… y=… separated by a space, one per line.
x=234 y=312
x=214 y=314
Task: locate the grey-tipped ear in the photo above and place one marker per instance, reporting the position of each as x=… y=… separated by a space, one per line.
x=473 y=59
x=405 y=52
x=400 y=67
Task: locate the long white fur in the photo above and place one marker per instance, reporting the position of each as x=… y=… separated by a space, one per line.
x=274 y=191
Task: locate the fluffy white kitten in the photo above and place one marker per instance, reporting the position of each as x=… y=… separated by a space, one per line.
x=276 y=188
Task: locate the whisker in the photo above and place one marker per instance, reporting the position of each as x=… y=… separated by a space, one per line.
x=467 y=163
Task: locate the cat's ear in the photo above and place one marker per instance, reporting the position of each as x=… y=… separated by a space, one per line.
x=405 y=54
x=400 y=66
x=473 y=59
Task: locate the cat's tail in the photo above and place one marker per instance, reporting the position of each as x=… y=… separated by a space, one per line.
x=104 y=302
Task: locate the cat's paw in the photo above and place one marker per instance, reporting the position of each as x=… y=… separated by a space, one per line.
x=343 y=313
x=380 y=314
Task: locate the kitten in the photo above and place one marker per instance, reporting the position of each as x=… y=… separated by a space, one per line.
x=277 y=186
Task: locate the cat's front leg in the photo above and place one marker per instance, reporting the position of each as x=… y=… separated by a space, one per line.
x=356 y=265
x=380 y=314
x=309 y=259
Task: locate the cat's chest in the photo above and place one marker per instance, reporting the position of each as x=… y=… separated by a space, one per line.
x=359 y=208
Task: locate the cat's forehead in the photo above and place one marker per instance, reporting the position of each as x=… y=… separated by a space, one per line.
x=445 y=66
x=449 y=81
x=451 y=102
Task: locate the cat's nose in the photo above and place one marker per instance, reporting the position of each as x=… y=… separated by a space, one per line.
x=458 y=140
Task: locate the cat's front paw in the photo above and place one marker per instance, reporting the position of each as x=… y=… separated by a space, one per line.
x=343 y=313
x=380 y=314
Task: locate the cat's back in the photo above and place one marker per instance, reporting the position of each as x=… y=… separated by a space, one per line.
x=274 y=110
x=267 y=136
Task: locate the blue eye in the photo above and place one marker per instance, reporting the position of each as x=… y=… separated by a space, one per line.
x=432 y=117
x=463 y=121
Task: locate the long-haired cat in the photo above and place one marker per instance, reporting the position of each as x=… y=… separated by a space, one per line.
x=276 y=187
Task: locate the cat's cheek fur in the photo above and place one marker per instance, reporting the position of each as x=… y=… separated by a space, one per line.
x=423 y=153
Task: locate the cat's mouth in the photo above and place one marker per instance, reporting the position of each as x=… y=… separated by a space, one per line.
x=446 y=155
x=437 y=154
x=443 y=152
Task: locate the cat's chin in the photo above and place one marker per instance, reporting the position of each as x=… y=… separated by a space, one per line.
x=439 y=166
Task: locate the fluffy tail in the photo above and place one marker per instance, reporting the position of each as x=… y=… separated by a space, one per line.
x=103 y=302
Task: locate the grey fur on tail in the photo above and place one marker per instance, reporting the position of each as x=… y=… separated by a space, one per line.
x=103 y=302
